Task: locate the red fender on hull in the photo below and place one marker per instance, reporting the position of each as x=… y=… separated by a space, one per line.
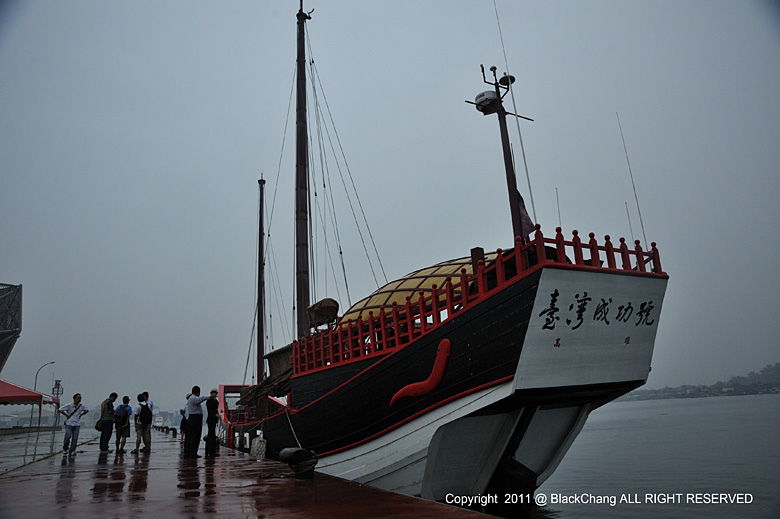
x=428 y=385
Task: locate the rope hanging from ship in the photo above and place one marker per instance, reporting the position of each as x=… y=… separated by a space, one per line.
x=329 y=154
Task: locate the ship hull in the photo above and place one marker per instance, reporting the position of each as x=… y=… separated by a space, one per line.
x=525 y=368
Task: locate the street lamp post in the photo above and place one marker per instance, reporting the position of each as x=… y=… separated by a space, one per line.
x=56 y=391
x=35 y=388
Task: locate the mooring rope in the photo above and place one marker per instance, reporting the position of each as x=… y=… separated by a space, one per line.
x=287 y=413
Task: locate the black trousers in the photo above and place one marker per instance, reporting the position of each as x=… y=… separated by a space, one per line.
x=105 y=434
x=192 y=439
x=211 y=436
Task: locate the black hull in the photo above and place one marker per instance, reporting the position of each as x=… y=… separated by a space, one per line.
x=489 y=398
x=486 y=342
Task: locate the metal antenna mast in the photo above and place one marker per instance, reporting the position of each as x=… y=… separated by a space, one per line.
x=490 y=103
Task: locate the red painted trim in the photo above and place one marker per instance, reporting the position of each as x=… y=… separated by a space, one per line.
x=417 y=415
x=379 y=336
x=386 y=354
x=222 y=409
x=379 y=355
x=433 y=380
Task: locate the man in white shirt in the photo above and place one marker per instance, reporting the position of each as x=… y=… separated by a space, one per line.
x=194 y=423
x=73 y=413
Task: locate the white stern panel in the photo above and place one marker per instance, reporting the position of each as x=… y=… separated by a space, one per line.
x=590 y=328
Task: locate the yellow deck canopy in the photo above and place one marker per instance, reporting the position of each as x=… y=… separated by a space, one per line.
x=410 y=286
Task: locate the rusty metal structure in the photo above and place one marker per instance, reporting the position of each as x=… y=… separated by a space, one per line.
x=10 y=319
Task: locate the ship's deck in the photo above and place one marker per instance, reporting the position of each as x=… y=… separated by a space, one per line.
x=162 y=484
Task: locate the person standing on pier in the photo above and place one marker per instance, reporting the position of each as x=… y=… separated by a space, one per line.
x=183 y=424
x=122 y=422
x=73 y=413
x=107 y=417
x=212 y=406
x=194 y=423
x=150 y=417
x=148 y=401
x=143 y=425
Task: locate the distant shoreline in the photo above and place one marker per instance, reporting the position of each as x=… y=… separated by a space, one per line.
x=698 y=392
x=765 y=382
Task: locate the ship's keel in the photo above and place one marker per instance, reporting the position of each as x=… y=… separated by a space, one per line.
x=513 y=446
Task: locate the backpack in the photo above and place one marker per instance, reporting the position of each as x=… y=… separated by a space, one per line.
x=120 y=415
x=145 y=417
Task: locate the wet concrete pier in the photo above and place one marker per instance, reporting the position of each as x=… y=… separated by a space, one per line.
x=163 y=484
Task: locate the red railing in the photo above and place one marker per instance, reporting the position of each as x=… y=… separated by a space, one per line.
x=397 y=326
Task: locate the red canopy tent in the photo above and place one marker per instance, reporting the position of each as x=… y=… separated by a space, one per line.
x=11 y=394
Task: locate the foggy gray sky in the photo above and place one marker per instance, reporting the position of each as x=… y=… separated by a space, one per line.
x=132 y=136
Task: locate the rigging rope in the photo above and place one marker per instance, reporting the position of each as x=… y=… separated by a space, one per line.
x=630 y=227
x=352 y=182
x=321 y=208
x=641 y=223
x=311 y=221
x=257 y=305
x=517 y=121
x=249 y=352
x=292 y=429
x=325 y=171
x=279 y=296
x=281 y=153
x=327 y=205
x=274 y=278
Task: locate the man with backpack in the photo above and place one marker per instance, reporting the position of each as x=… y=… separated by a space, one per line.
x=148 y=401
x=143 y=425
x=122 y=423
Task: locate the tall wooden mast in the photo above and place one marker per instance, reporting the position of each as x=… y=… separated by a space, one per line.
x=261 y=287
x=301 y=184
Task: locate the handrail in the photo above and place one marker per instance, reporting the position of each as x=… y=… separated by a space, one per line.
x=394 y=328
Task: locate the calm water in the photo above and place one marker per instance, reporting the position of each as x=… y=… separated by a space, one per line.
x=669 y=447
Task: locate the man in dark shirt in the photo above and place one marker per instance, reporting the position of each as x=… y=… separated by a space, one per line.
x=107 y=417
x=212 y=406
